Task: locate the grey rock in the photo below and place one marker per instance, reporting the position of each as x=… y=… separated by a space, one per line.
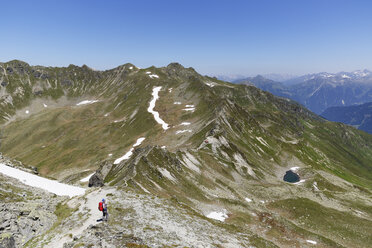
x=66 y=83
x=96 y=180
x=25 y=213
x=9 y=70
x=7 y=242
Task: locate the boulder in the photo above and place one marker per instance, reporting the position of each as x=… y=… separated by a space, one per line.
x=96 y=180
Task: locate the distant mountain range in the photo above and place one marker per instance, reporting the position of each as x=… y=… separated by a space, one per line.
x=359 y=116
x=322 y=90
x=272 y=76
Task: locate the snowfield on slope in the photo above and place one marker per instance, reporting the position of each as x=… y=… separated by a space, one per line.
x=183 y=131
x=86 y=179
x=130 y=152
x=311 y=242
x=86 y=102
x=221 y=216
x=150 y=109
x=185 y=123
x=32 y=180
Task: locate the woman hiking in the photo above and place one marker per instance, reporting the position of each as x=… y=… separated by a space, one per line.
x=102 y=206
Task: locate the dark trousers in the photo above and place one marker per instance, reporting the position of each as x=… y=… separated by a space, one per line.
x=105 y=215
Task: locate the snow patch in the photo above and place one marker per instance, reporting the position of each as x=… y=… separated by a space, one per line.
x=221 y=216
x=32 y=180
x=139 y=142
x=183 y=131
x=210 y=85
x=185 y=123
x=130 y=152
x=170 y=90
x=190 y=106
x=116 y=121
x=86 y=179
x=45 y=106
x=27 y=112
x=110 y=155
x=86 y=102
x=248 y=200
x=177 y=103
x=300 y=182
x=311 y=242
x=155 y=94
x=153 y=76
x=130 y=67
x=189 y=109
x=315 y=186
x=294 y=169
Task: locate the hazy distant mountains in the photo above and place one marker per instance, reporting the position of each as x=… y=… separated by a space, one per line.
x=359 y=116
x=272 y=76
x=322 y=90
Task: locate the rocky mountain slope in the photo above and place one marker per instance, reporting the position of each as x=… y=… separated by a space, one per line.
x=358 y=116
x=320 y=91
x=186 y=160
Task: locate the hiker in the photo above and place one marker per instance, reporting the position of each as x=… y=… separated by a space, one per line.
x=102 y=206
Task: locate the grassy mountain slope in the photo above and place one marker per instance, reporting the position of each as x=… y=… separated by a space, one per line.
x=232 y=158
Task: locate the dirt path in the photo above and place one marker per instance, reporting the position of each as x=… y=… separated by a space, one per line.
x=89 y=208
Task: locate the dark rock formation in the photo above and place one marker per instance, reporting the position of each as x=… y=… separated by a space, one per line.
x=96 y=180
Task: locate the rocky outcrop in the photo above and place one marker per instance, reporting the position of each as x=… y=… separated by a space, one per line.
x=25 y=212
x=105 y=237
x=7 y=241
x=97 y=180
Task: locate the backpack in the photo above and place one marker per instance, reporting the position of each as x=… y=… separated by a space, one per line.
x=100 y=206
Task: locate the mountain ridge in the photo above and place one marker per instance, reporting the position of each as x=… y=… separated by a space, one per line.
x=224 y=152
x=358 y=116
x=322 y=90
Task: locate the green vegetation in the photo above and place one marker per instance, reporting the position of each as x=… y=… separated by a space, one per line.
x=343 y=227
x=242 y=141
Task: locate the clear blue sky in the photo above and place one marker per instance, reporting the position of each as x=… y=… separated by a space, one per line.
x=214 y=37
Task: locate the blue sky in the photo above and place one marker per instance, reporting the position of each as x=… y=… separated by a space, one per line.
x=214 y=37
